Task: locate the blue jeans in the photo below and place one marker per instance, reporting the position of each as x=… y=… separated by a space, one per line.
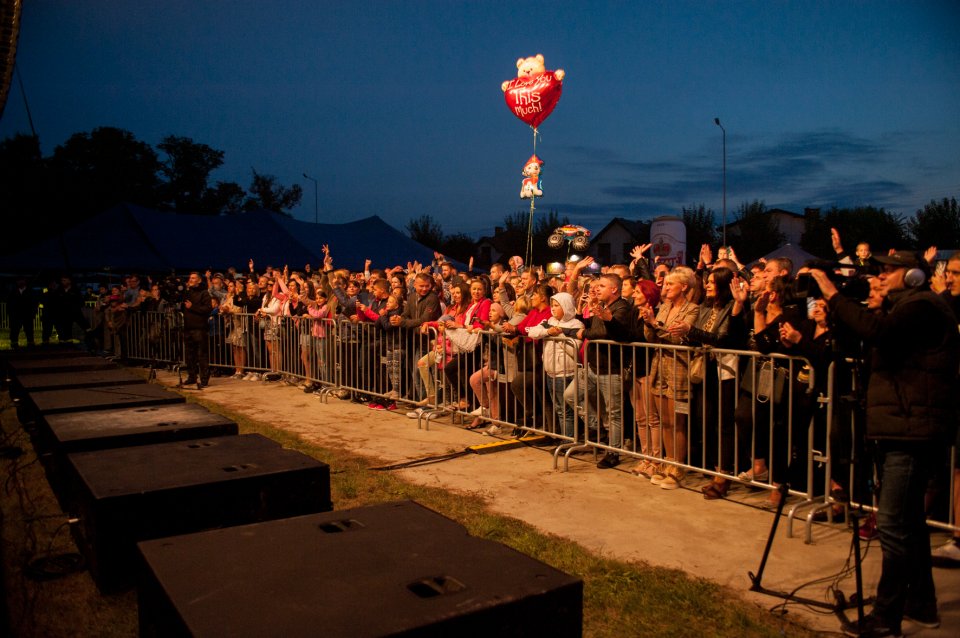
x=906 y=579
x=610 y=388
x=562 y=412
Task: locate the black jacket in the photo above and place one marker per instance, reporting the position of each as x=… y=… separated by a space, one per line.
x=912 y=392
x=195 y=317
x=419 y=310
x=608 y=359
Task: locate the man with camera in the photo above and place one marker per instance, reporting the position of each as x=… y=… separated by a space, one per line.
x=911 y=416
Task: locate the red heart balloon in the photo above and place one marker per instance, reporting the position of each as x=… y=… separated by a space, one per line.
x=533 y=99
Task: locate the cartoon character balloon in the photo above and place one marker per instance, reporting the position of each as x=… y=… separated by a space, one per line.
x=531 y=183
x=534 y=93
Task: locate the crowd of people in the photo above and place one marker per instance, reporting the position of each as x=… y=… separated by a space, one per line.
x=517 y=345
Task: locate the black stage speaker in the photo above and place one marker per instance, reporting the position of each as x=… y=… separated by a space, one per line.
x=123 y=427
x=45 y=352
x=101 y=398
x=125 y=495
x=61 y=434
x=71 y=380
x=397 y=569
x=19 y=366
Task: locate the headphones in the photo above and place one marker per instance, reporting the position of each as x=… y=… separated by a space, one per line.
x=915 y=277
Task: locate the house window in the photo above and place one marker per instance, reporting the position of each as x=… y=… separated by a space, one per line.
x=626 y=253
x=603 y=253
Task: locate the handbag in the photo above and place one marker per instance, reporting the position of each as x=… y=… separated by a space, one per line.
x=463 y=340
x=771 y=382
x=698 y=367
x=771 y=379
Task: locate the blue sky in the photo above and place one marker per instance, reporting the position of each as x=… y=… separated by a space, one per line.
x=396 y=107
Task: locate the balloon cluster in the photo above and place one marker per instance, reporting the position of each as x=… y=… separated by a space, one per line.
x=532 y=96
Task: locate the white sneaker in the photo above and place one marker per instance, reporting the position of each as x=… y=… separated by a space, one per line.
x=415 y=414
x=493 y=430
x=949 y=551
x=252 y=376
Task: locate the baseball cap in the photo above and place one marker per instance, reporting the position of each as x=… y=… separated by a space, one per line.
x=901 y=258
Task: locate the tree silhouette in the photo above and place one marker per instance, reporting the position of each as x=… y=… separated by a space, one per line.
x=701 y=228
x=426 y=230
x=755 y=232
x=187 y=170
x=265 y=193
x=937 y=224
x=92 y=172
x=875 y=226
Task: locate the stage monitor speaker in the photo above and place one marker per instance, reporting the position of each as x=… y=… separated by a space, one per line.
x=125 y=495
x=72 y=380
x=102 y=398
x=124 y=427
x=62 y=434
x=42 y=365
x=45 y=352
x=396 y=569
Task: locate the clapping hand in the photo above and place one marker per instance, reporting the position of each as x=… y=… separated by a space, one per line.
x=739 y=289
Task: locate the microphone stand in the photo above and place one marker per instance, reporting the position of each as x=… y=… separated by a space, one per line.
x=841 y=604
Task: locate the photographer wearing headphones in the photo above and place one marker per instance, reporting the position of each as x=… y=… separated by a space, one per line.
x=911 y=416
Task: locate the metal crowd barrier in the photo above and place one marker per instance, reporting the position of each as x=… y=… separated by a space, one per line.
x=714 y=427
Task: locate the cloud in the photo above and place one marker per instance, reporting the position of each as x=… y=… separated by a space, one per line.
x=879 y=193
x=825 y=145
x=805 y=168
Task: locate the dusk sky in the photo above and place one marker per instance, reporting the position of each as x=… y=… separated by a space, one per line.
x=396 y=107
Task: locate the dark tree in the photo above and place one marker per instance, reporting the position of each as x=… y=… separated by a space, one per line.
x=875 y=226
x=22 y=190
x=754 y=233
x=458 y=246
x=187 y=170
x=225 y=197
x=426 y=230
x=701 y=229
x=266 y=193
x=937 y=224
x=513 y=239
x=517 y=221
x=92 y=172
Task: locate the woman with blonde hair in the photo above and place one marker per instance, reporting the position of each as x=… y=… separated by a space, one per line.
x=668 y=369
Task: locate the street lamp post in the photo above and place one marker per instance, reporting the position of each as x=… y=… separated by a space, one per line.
x=316 y=205
x=716 y=121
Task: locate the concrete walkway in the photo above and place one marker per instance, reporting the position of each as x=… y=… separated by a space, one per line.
x=608 y=511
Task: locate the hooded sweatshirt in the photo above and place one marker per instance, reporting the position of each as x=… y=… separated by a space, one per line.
x=560 y=352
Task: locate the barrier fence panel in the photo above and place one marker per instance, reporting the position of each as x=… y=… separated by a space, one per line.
x=746 y=411
x=151 y=337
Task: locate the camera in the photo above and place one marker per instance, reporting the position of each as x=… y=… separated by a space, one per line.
x=171 y=289
x=855 y=287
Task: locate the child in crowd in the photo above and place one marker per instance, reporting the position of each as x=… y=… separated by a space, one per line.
x=560 y=352
x=486 y=381
x=393 y=347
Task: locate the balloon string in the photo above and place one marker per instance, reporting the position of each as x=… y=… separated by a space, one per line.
x=528 y=258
